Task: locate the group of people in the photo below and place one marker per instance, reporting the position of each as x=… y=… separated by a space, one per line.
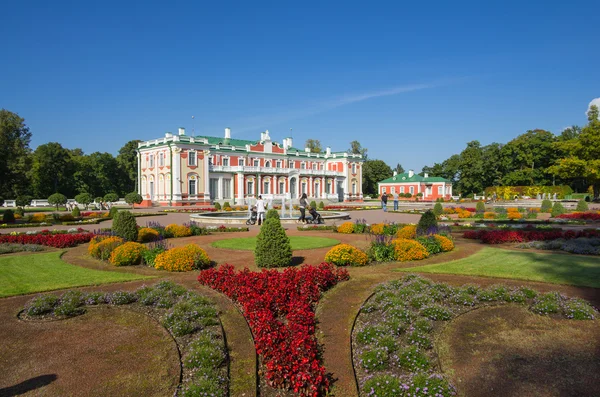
x=257 y=212
x=384 y=200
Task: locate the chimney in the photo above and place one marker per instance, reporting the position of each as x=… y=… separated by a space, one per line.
x=262 y=136
x=307 y=149
x=328 y=151
x=426 y=175
x=395 y=173
x=168 y=135
x=411 y=173
x=181 y=131
x=227 y=133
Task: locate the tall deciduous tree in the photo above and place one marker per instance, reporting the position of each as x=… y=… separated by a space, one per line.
x=14 y=152
x=314 y=145
x=527 y=158
x=374 y=171
x=470 y=168
x=52 y=170
x=98 y=174
x=356 y=148
x=127 y=160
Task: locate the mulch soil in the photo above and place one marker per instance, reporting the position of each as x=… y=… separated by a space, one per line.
x=27 y=359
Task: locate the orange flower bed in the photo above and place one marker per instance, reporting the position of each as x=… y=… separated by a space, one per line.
x=407 y=232
x=182 y=259
x=346 y=227
x=489 y=215
x=147 y=234
x=409 y=250
x=445 y=243
x=101 y=247
x=128 y=254
x=178 y=230
x=346 y=254
x=377 y=228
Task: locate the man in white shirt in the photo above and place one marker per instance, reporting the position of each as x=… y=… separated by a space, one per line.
x=260 y=210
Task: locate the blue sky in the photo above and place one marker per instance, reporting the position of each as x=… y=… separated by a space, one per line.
x=413 y=83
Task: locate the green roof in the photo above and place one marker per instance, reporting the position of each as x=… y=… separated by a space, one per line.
x=404 y=178
x=214 y=140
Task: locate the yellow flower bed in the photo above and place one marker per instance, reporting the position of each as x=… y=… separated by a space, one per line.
x=178 y=230
x=38 y=218
x=445 y=243
x=345 y=254
x=101 y=246
x=377 y=228
x=409 y=250
x=463 y=213
x=346 y=227
x=127 y=254
x=147 y=234
x=182 y=259
x=407 y=232
x=489 y=215
x=514 y=215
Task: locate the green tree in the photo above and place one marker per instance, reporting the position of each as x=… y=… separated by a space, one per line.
x=23 y=201
x=427 y=223
x=374 y=171
x=98 y=173
x=128 y=163
x=133 y=198
x=84 y=198
x=438 y=209
x=582 y=206
x=273 y=247
x=399 y=169
x=52 y=170
x=57 y=199
x=527 y=158
x=314 y=145
x=356 y=148
x=111 y=197
x=470 y=169
x=125 y=226
x=14 y=154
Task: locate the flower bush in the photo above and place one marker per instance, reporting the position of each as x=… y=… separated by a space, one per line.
x=182 y=259
x=518 y=236
x=409 y=250
x=59 y=240
x=101 y=247
x=345 y=254
x=279 y=307
x=346 y=227
x=178 y=230
x=127 y=254
x=407 y=232
x=146 y=235
x=445 y=243
x=38 y=218
x=377 y=228
x=586 y=216
x=489 y=215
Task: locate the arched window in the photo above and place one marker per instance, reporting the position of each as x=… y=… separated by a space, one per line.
x=267 y=164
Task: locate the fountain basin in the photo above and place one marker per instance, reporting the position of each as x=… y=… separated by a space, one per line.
x=237 y=217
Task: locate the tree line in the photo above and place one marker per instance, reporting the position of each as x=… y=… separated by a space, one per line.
x=52 y=168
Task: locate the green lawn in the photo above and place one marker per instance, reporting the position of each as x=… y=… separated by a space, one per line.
x=298 y=243
x=497 y=262
x=25 y=274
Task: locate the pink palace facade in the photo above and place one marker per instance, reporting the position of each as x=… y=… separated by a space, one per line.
x=177 y=170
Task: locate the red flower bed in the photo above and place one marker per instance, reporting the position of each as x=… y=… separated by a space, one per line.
x=61 y=240
x=279 y=307
x=517 y=236
x=586 y=216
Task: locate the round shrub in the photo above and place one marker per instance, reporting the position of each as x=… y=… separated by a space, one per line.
x=178 y=230
x=407 y=232
x=321 y=205
x=546 y=206
x=101 y=246
x=111 y=197
x=128 y=254
x=409 y=250
x=313 y=204
x=582 y=206
x=273 y=248
x=557 y=209
x=427 y=222
x=480 y=207
x=346 y=227
x=8 y=216
x=346 y=254
x=57 y=199
x=125 y=226
x=438 y=209
x=445 y=243
x=182 y=259
x=147 y=234
x=217 y=206
x=76 y=212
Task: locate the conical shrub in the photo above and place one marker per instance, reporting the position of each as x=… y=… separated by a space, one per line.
x=273 y=248
x=427 y=224
x=125 y=226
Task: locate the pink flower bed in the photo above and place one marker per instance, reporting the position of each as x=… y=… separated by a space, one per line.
x=279 y=307
x=62 y=240
x=517 y=236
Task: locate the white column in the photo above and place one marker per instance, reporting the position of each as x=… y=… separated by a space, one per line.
x=206 y=174
x=240 y=183
x=310 y=186
x=139 y=173
x=156 y=178
x=176 y=174
x=259 y=187
x=219 y=194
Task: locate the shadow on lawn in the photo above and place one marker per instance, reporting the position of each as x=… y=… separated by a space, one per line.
x=28 y=385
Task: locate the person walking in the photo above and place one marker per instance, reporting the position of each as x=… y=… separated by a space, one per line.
x=384 y=199
x=260 y=210
x=302 y=206
x=395 y=201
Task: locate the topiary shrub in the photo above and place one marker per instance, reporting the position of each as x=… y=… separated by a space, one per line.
x=321 y=205
x=226 y=205
x=557 y=209
x=272 y=213
x=57 y=199
x=407 y=232
x=582 y=206
x=125 y=226
x=409 y=250
x=480 y=207
x=128 y=254
x=313 y=204
x=113 y=211
x=427 y=223
x=8 y=216
x=546 y=206
x=438 y=209
x=85 y=199
x=346 y=255
x=182 y=259
x=133 y=198
x=76 y=212
x=273 y=248
x=218 y=206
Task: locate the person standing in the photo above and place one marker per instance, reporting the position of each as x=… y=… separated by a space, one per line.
x=384 y=199
x=302 y=206
x=260 y=210
x=395 y=201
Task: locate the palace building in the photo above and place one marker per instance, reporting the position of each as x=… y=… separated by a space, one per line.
x=426 y=187
x=187 y=170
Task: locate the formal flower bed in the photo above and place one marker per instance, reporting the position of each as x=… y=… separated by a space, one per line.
x=346 y=255
x=519 y=236
x=361 y=226
x=586 y=216
x=279 y=307
x=317 y=228
x=50 y=239
x=190 y=318
x=394 y=334
x=581 y=245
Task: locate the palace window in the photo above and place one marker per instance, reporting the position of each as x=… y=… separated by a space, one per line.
x=401 y=189
x=256 y=162
x=354 y=168
x=302 y=165
x=267 y=164
x=291 y=164
x=192 y=186
x=440 y=189
x=353 y=187
x=151 y=161
x=393 y=189
x=192 y=158
x=241 y=162
x=225 y=162
x=281 y=187
x=303 y=187
x=250 y=187
x=266 y=187
x=279 y=165
x=314 y=166
x=412 y=190
x=161 y=159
